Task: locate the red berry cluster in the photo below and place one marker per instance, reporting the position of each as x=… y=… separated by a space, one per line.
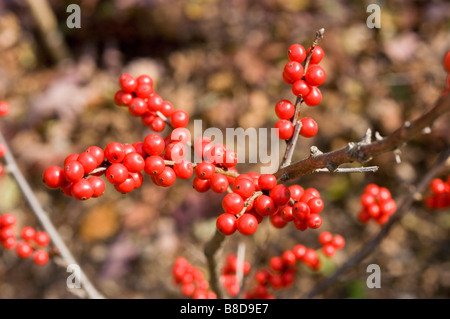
x=447 y=68
x=440 y=194
x=303 y=209
x=280 y=203
x=137 y=94
x=377 y=204
x=282 y=271
x=213 y=156
x=191 y=280
x=4 y=110
x=305 y=85
x=228 y=276
x=330 y=243
x=32 y=241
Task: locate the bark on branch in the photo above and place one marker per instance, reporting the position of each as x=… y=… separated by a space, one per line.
x=365 y=150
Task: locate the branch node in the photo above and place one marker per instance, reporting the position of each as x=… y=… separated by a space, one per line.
x=426 y=130
x=378 y=137
x=314 y=151
x=397 y=154
x=367 y=138
x=331 y=167
x=407 y=124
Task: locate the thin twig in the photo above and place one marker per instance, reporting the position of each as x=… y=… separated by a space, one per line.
x=363 y=169
x=369 y=247
x=45 y=221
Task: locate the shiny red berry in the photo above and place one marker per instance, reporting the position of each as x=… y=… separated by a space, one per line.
x=53 y=177
x=226 y=224
x=309 y=127
x=247 y=224
x=284 y=109
x=285 y=129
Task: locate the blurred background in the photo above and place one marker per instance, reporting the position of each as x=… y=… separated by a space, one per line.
x=221 y=61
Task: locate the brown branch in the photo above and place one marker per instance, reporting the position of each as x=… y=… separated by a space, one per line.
x=66 y=255
x=369 y=247
x=211 y=249
x=365 y=150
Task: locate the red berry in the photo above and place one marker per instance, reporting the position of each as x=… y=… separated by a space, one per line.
x=9 y=243
x=230 y=158
x=285 y=129
x=315 y=75
x=73 y=171
x=296 y=192
x=314 y=221
x=314 y=96
x=297 y=52
x=97 y=152
x=233 y=203
x=179 y=118
x=309 y=127
x=70 y=158
x=267 y=181
x=134 y=162
x=247 y=224
x=310 y=258
x=28 y=233
x=24 y=249
x=265 y=206
x=315 y=205
x=88 y=161
x=244 y=187
x=157 y=124
x=123 y=98
x=317 y=54
x=388 y=207
x=286 y=213
x=367 y=200
x=98 y=185
x=154 y=144
x=300 y=211
x=277 y=220
x=180 y=134
x=154 y=165
x=137 y=107
x=114 y=152
x=284 y=109
x=205 y=170
x=183 y=169
x=201 y=185
x=40 y=257
x=338 y=242
x=137 y=178
x=226 y=224
x=155 y=102
x=219 y=183
x=447 y=61
x=372 y=189
x=374 y=211
x=277 y=263
x=4 y=108
x=280 y=195
x=288 y=258
x=437 y=186
x=329 y=250
x=300 y=88
x=144 y=90
x=293 y=71
x=167 y=177
x=127 y=82
x=299 y=251
x=53 y=177
x=175 y=151
x=325 y=237
x=117 y=173
x=82 y=189
x=126 y=186
x=167 y=109
x=6 y=232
